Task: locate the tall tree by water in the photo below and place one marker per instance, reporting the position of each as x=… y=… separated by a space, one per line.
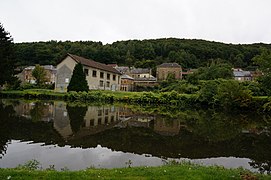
x=6 y=57
x=264 y=62
x=78 y=81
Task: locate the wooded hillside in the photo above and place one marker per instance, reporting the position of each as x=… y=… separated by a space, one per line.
x=145 y=53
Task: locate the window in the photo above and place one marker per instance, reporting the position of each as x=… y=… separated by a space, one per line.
x=107 y=84
x=114 y=77
x=101 y=83
x=108 y=76
x=101 y=75
x=66 y=80
x=106 y=120
x=112 y=118
x=91 y=122
x=99 y=121
x=99 y=112
x=94 y=73
x=86 y=72
x=106 y=112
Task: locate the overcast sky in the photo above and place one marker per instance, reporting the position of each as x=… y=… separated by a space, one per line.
x=229 y=21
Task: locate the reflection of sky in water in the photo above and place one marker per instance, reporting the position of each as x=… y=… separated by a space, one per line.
x=72 y=158
x=77 y=158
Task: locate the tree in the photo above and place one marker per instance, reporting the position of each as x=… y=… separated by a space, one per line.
x=264 y=62
x=76 y=115
x=6 y=57
x=232 y=94
x=39 y=74
x=216 y=69
x=78 y=81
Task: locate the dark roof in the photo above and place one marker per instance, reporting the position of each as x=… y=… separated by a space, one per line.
x=140 y=71
x=169 y=65
x=93 y=64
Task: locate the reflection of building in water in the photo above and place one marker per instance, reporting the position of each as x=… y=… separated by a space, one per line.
x=96 y=119
x=39 y=111
x=61 y=120
x=167 y=127
x=161 y=126
x=125 y=113
x=101 y=115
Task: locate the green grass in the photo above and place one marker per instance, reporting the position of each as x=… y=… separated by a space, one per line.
x=183 y=171
x=172 y=98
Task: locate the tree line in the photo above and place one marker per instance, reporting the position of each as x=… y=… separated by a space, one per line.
x=141 y=53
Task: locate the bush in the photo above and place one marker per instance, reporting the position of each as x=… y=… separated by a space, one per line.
x=232 y=94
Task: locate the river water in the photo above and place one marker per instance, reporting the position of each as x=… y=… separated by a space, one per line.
x=78 y=136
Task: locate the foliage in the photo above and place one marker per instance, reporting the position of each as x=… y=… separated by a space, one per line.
x=37 y=112
x=6 y=57
x=188 y=53
x=39 y=74
x=264 y=62
x=255 y=88
x=179 y=86
x=231 y=94
x=30 y=165
x=76 y=115
x=78 y=80
x=175 y=171
x=208 y=91
x=265 y=82
x=216 y=69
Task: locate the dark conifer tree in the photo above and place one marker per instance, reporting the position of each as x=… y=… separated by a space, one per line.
x=78 y=81
x=6 y=57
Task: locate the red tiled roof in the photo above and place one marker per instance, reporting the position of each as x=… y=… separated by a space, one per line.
x=93 y=64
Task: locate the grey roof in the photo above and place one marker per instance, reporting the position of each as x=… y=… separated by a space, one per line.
x=47 y=67
x=169 y=65
x=140 y=71
x=241 y=74
x=146 y=79
x=122 y=69
x=125 y=76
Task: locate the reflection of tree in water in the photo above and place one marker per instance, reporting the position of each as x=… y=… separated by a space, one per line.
x=6 y=112
x=263 y=167
x=38 y=111
x=76 y=115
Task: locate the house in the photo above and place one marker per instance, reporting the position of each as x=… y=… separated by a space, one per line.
x=127 y=83
x=26 y=75
x=164 y=70
x=98 y=75
x=241 y=75
x=142 y=77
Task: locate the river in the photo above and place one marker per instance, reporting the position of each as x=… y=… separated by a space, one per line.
x=78 y=136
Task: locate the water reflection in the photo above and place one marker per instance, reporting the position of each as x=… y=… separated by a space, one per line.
x=204 y=135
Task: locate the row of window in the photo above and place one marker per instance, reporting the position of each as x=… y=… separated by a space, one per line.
x=102 y=83
x=94 y=74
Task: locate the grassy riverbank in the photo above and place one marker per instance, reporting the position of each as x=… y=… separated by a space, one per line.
x=172 y=98
x=182 y=171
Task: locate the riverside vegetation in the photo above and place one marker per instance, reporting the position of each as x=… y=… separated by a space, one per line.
x=217 y=94
x=174 y=170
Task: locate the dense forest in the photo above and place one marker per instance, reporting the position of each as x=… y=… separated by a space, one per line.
x=145 y=53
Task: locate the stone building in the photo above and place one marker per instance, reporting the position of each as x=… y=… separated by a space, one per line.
x=98 y=75
x=127 y=83
x=241 y=75
x=26 y=75
x=166 y=69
